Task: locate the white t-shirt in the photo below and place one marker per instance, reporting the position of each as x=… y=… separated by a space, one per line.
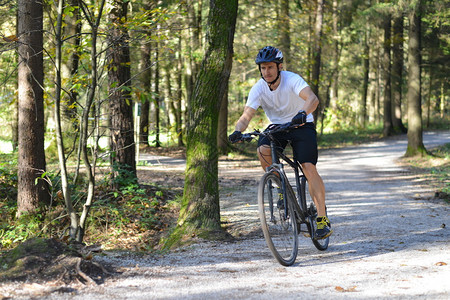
x=282 y=104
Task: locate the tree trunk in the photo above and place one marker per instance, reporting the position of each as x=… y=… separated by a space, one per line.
x=200 y=211
x=157 y=99
x=146 y=78
x=194 y=11
x=31 y=160
x=317 y=52
x=179 y=100
x=58 y=125
x=397 y=70
x=387 y=115
x=121 y=108
x=222 y=133
x=365 y=85
x=285 y=35
x=335 y=73
x=415 y=138
x=69 y=68
x=84 y=132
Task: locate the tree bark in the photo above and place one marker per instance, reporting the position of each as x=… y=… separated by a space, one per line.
x=222 y=133
x=397 y=74
x=317 y=53
x=121 y=108
x=194 y=10
x=31 y=160
x=179 y=98
x=146 y=78
x=285 y=35
x=415 y=135
x=334 y=90
x=157 y=99
x=365 y=85
x=387 y=115
x=200 y=211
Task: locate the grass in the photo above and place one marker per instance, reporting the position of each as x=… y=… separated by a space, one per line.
x=434 y=168
x=349 y=137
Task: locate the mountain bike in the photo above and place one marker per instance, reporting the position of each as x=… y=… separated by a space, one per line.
x=283 y=212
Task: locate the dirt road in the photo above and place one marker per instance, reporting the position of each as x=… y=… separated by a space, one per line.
x=390 y=241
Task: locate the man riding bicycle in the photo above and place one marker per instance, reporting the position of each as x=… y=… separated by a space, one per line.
x=286 y=97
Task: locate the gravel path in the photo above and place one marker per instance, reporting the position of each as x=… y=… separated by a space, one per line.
x=390 y=241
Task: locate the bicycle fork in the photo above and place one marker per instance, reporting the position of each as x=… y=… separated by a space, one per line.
x=280 y=204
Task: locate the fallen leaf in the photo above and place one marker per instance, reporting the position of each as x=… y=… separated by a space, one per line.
x=342 y=290
x=11 y=38
x=225 y=270
x=441 y=263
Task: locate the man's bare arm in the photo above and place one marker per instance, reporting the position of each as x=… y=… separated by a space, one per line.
x=311 y=99
x=245 y=119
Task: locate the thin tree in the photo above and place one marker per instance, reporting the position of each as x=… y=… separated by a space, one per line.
x=200 y=211
x=32 y=189
x=121 y=109
x=397 y=73
x=194 y=43
x=387 y=107
x=146 y=76
x=69 y=67
x=317 y=52
x=365 y=85
x=94 y=24
x=57 y=115
x=157 y=96
x=415 y=135
x=284 y=30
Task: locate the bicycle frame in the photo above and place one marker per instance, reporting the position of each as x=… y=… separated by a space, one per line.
x=279 y=167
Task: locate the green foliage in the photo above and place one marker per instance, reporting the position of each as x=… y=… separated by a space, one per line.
x=20 y=230
x=8 y=177
x=123 y=176
x=127 y=216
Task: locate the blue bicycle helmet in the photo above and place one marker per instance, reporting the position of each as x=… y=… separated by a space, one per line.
x=269 y=54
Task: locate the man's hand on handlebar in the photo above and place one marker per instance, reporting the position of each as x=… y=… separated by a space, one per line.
x=299 y=118
x=235 y=137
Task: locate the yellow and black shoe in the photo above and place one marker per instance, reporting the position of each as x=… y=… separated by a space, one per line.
x=323 y=229
x=280 y=203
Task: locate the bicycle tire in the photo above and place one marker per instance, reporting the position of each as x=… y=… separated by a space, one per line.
x=308 y=202
x=280 y=232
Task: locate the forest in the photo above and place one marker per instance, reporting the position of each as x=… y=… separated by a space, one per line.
x=86 y=85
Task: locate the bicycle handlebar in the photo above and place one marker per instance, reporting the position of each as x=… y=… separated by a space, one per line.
x=247 y=137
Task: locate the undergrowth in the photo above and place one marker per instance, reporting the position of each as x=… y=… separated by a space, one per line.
x=435 y=169
x=132 y=217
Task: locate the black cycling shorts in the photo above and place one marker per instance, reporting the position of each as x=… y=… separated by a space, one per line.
x=303 y=140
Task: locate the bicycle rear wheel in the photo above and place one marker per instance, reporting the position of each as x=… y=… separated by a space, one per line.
x=312 y=215
x=280 y=230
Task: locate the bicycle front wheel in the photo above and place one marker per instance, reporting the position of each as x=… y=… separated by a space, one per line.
x=279 y=227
